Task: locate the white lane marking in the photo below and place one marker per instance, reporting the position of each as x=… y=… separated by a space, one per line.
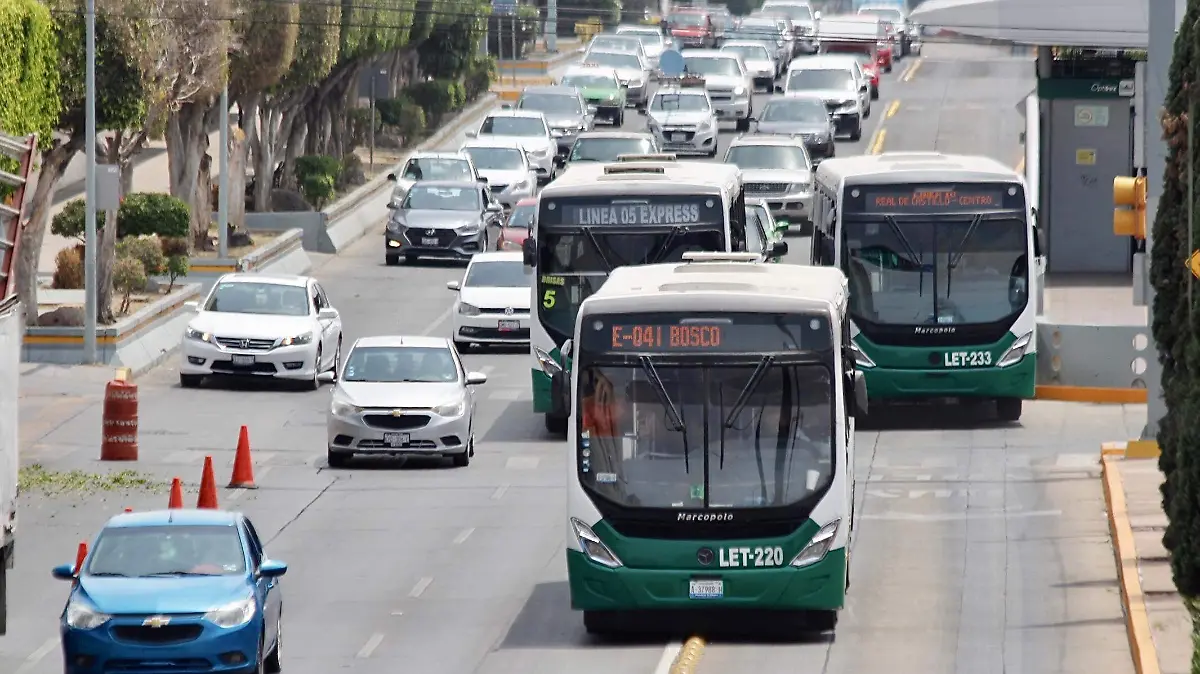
x=499 y=493
x=397 y=612
x=915 y=517
x=668 y=657
x=238 y=493
x=437 y=322
x=36 y=656
x=420 y=587
x=463 y=536
x=369 y=647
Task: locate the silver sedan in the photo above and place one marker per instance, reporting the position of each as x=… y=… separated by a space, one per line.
x=403 y=396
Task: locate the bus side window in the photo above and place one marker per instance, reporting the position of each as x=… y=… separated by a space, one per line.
x=737 y=223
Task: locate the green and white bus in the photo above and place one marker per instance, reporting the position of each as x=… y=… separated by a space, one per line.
x=593 y=218
x=713 y=442
x=943 y=258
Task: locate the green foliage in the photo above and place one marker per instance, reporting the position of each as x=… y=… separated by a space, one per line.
x=178 y=261
x=479 y=75
x=145 y=249
x=317 y=176
x=360 y=126
x=437 y=97
x=29 y=70
x=453 y=44
x=406 y=117
x=370 y=28
x=316 y=45
x=129 y=276
x=120 y=94
x=141 y=214
x=268 y=46
x=68 y=269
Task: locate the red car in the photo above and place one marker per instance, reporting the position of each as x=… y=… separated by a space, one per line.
x=516 y=228
x=869 y=62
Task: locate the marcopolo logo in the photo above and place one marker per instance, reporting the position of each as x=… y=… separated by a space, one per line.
x=704 y=517
x=1104 y=88
x=939 y=330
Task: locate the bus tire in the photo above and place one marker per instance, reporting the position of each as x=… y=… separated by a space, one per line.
x=556 y=425
x=598 y=623
x=4 y=566
x=1008 y=409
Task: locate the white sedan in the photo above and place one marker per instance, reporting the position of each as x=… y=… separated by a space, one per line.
x=493 y=301
x=262 y=326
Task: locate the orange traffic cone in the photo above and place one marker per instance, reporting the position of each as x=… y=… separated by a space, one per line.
x=80 y=556
x=243 y=467
x=208 y=487
x=176 y=500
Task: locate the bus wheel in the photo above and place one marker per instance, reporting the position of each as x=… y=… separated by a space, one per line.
x=1008 y=409
x=598 y=623
x=556 y=425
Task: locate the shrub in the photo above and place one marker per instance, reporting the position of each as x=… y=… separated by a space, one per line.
x=360 y=126
x=352 y=172
x=317 y=177
x=436 y=97
x=68 y=269
x=390 y=109
x=403 y=115
x=128 y=277
x=69 y=221
x=141 y=214
x=479 y=75
x=146 y=250
x=177 y=266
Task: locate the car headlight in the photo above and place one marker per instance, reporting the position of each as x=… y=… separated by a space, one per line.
x=557 y=133
x=343 y=408
x=1015 y=352
x=469 y=228
x=468 y=309
x=739 y=91
x=395 y=202
x=593 y=547
x=819 y=545
x=298 y=340
x=547 y=362
x=798 y=187
x=635 y=84
x=522 y=184
x=233 y=614
x=704 y=126
x=452 y=409
x=198 y=335
x=395 y=226
x=624 y=83
x=81 y=615
x=544 y=152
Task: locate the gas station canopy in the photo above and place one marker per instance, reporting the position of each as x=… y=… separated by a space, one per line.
x=1061 y=23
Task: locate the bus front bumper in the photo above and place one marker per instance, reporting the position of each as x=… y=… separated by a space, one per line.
x=1014 y=381
x=821 y=586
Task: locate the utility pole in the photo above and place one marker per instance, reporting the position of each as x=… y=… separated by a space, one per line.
x=90 y=240
x=552 y=26
x=223 y=178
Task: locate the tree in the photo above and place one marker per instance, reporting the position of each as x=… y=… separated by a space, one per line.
x=49 y=83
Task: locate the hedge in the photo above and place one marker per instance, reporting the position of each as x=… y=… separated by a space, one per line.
x=141 y=214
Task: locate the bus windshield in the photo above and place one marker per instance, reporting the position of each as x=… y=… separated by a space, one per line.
x=937 y=269
x=705 y=435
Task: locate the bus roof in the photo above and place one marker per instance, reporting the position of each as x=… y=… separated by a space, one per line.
x=894 y=167
x=667 y=177
x=720 y=285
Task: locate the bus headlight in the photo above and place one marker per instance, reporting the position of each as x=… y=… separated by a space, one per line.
x=593 y=547
x=861 y=359
x=1015 y=352
x=818 y=546
x=547 y=362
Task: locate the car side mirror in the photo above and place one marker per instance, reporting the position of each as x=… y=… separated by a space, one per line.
x=472 y=134
x=495 y=208
x=641 y=111
x=63 y=572
x=860 y=394
x=391 y=177
x=778 y=249
x=529 y=252
x=476 y=378
x=863 y=88
x=327 y=314
x=453 y=285
x=481 y=180
x=778 y=89
x=567 y=347
x=191 y=305
x=782 y=226
x=272 y=569
x=817 y=15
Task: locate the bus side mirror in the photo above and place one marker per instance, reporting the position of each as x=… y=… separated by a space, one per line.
x=1037 y=241
x=860 y=394
x=529 y=251
x=566 y=348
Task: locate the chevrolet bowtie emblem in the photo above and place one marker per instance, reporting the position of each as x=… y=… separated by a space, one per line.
x=397 y=413
x=157 y=621
x=431 y=232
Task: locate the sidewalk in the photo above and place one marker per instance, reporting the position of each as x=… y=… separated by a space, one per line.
x=1159 y=626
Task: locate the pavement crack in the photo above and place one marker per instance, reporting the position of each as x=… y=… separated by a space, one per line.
x=301 y=512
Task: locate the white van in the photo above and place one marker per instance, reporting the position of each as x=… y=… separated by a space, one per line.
x=840 y=82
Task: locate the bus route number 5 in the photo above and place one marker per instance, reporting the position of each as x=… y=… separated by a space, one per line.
x=549 y=298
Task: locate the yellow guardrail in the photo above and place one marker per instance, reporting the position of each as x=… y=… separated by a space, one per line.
x=586 y=30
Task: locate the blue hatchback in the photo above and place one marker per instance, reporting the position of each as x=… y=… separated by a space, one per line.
x=180 y=591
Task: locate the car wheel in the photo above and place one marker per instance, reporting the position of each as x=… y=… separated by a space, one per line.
x=888 y=69
x=856 y=134
x=274 y=661
x=463 y=460
x=190 y=380
x=260 y=665
x=391 y=260
x=743 y=125
x=315 y=383
x=875 y=93
x=337 y=360
x=410 y=259
x=337 y=459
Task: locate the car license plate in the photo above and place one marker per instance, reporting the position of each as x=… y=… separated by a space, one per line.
x=510 y=325
x=243 y=360
x=395 y=439
x=429 y=241
x=679 y=137
x=724 y=113
x=706 y=589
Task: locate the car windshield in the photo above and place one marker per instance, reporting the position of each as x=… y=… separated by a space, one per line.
x=169 y=550
x=820 y=79
x=521 y=217
x=749 y=52
x=785 y=157
x=648 y=39
x=861 y=53
x=949 y=270
x=758 y=30
x=614 y=60
x=616 y=43
x=422 y=197
x=393 y=364
x=609 y=149
x=496 y=158
x=437 y=168
x=273 y=299
x=657 y=432
x=893 y=15
x=555 y=103
x=675 y=102
x=513 y=126
x=794 y=110
x=711 y=65
x=591 y=81
x=687 y=20
x=497 y=274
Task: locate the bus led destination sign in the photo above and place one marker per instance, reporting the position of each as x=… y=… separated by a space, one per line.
x=934 y=200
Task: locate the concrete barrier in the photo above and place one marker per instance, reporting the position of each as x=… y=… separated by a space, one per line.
x=138 y=341
x=283 y=255
x=312 y=223
x=1093 y=363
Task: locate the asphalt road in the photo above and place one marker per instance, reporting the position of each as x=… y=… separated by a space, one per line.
x=980 y=548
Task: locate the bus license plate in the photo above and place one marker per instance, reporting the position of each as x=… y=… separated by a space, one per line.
x=706 y=589
x=243 y=361
x=429 y=241
x=505 y=326
x=395 y=439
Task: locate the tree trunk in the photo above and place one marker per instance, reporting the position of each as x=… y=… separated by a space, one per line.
x=201 y=201
x=187 y=144
x=33 y=234
x=318 y=109
x=297 y=135
x=236 y=182
x=106 y=256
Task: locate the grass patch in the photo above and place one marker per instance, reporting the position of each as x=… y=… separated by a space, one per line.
x=37 y=478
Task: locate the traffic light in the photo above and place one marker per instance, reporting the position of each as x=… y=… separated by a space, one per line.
x=1131 y=194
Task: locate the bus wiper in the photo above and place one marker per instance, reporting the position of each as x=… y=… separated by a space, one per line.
x=912 y=253
x=587 y=231
x=962 y=246
x=748 y=390
x=661 y=253
x=674 y=419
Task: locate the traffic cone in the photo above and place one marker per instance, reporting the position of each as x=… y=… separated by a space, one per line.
x=243 y=467
x=176 y=501
x=80 y=556
x=208 y=487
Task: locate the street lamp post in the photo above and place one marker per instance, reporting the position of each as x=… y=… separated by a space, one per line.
x=91 y=241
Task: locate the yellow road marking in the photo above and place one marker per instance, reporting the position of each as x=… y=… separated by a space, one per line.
x=689 y=656
x=892 y=109
x=877 y=143
x=912 y=70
